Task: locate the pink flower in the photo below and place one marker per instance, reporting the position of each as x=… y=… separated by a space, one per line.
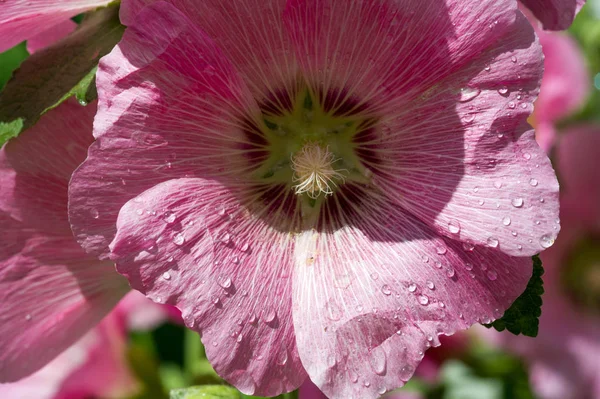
x=565 y=85
x=564 y=357
x=96 y=366
x=41 y=20
x=554 y=14
x=322 y=188
x=51 y=291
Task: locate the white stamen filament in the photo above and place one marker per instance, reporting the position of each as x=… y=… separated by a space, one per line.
x=313 y=171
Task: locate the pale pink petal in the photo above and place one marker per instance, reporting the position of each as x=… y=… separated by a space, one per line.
x=95 y=366
x=50 y=36
x=23 y=19
x=554 y=14
x=51 y=292
x=168 y=105
x=372 y=294
x=251 y=35
x=227 y=267
x=566 y=81
x=458 y=153
x=142 y=314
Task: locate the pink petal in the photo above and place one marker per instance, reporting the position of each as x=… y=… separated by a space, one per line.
x=21 y=20
x=250 y=34
x=51 y=293
x=566 y=81
x=228 y=270
x=95 y=366
x=372 y=296
x=394 y=51
x=50 y=36
x=459 y=155
x=167 y=98
x=554 y=14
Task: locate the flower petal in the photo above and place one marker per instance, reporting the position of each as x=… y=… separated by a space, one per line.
x=50 y=36
x=462 y=158
x=21 y=20
x=385 y=54
x=373 y=294
x=51 y=292
x=554 y=14
x=168 y=105
x=249 y=32
x=189 y=242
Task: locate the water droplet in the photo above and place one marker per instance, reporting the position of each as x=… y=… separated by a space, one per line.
x=441 y=250
x=468 y=118
x=468 y=245
x=492 y=242
x=527 y=155
x=95 y=214
x=425 y=258
x=469 y=266
x=513 y=58
x=331 y=362
x=28 y=317
x=245 y=247
x=386 y=289
x=503 y=90
x=533 y=182
x=430 y=285
x=353 y=376
x=406 y=372
x=450 y=272
x=506 y=221
x=334 y=312
x=252 y=319
x=423 y=300
x=498 y=184
x=382 y=390
x=412 y=287
x=239 y=338
x=454 y=226
x=468 y=93
x=511 y=105
x=367 y=384
x=492 y=275
x=378 y=360
x=224 y=282
x=269 y=315
x=169 y=217
x=282 y=357
x=235 y=260
x=517 y=202
x=546 y=241
x=374 y=276
x=179 y=239
x=226 y=238
x=166 y=276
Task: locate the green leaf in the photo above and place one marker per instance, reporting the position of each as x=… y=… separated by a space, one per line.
x=523 y=316
x=10 y=130
x=10 y=60
x=206 y=392
x=67 y=68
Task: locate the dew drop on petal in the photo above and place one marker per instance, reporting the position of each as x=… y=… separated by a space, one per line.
x=178 y=239
x=469 y=266
x=492 y=242
x=375 y=276
x=423 y=300
x=269 y=315
x=412 y=287
x=546 y=241
x=166 y=276
x=454 y=226
x=406 y=372
x=517 y=202
x=468 y=245
x=239 y=338
x=224 y=282
x=450 y=272
x=492 y=275
x=503 y=90
x=498 y=184
x=385 y=289
x=169 y=217
x=28 y=317
x=468 y=94
x=441 y=250
x=245 y=247
x=430 y=285
x=282 y=357
x=533 y=182
x=506 y=221
x=334 y=312
x=378 y=360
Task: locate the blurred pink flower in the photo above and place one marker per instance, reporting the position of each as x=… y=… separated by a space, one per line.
x=564 y=356
x=322 y=187
x=95 y=366
x=42 y=20
x=554 y=14
x=565 y=85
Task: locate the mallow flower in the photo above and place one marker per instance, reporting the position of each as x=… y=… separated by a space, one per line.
x=563 y=358
x=321 y=187
x=42 y=21
x=96 y=365
x=554 y=14
x=51 y=291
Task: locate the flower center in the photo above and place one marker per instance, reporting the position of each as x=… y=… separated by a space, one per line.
x=314 y=172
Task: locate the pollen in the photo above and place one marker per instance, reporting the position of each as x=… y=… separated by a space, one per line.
x=314 y=172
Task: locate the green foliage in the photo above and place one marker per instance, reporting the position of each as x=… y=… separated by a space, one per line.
x=523 y=316
x=10 y=60
x=206 y=392
x=52 y=75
